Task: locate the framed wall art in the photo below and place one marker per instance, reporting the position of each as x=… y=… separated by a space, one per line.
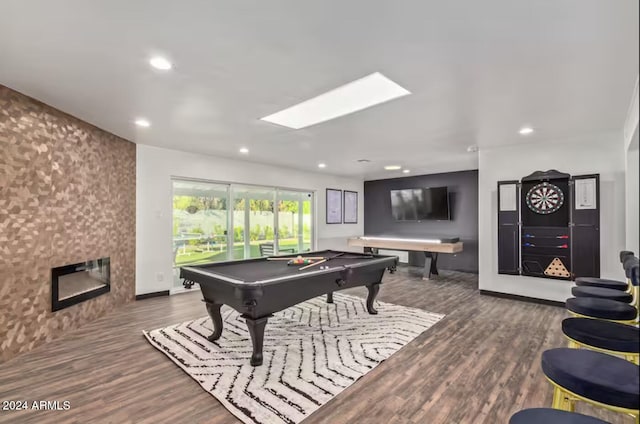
x=350 y=207
x=334 y=206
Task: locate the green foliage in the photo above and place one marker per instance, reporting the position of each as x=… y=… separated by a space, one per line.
x=268 y=233
x=200 y=203
x=218 y=230
x=288 y=206
x=238 y=234
x=181 y=202
x=284 y=232
x=195 y=230
x=293 y=206
x=255 y=205
x=194 y=256
x=255 y=233
x=207 y=214
x=260 y=205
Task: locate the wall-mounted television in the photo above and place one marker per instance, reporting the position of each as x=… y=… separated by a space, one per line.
x=417 y=204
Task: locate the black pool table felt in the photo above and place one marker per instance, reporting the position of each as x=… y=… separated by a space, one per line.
x=263 y=269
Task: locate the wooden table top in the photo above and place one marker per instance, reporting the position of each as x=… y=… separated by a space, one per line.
x=423 y=245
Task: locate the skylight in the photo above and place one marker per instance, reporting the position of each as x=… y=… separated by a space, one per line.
x=352 y=97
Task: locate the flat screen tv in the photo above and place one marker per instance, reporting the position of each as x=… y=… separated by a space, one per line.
x=417 y=204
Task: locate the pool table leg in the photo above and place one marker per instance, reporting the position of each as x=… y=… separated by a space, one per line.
x=216 y=318
x=330 y=297
x=256 y=331
x=373 y=292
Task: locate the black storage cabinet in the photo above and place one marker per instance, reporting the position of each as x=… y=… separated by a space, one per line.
x=549 y=230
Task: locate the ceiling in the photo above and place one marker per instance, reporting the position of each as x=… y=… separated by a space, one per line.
x=477 y=70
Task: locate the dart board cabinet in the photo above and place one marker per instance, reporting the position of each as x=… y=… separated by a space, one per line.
x=548 y=226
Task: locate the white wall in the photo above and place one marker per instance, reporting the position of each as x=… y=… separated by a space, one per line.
x=632 y=174
x=599 y=154
x=632 y=209
x=156 y=167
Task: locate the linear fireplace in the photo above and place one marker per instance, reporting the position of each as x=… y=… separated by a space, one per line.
x=71 y=284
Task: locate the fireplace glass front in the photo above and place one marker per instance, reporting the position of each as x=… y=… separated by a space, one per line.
x=71 y=284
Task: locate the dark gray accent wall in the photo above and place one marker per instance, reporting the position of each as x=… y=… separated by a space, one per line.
x=463 y=200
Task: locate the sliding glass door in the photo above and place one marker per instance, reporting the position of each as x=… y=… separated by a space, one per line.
x=294 y=221
x=200 y=222
x=215 y=222
x=253 y=221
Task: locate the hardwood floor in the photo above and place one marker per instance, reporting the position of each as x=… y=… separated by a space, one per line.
x=480 y=364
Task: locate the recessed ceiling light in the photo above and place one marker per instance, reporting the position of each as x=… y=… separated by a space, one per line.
x=526 y=130
x=244 y=150
x=364 y=160
x=161 y=63
x=352 y=97
x=322 y=165
x=392 y=167
x=406 y=171
x=141 y=122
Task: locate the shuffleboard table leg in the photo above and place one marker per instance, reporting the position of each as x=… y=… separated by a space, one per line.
x=256 y=331
x=330 y=297
x=430 y=265
x=216 y=318
x=373 y=292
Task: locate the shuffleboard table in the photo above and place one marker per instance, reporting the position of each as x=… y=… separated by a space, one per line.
x=431 y=248
x=259 y=287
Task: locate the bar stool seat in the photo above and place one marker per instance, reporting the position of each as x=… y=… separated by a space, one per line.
x=601 y=308
x=551 y=416
x=603 y=334
x=594 y=376
x=602 y=282
x=601 y=293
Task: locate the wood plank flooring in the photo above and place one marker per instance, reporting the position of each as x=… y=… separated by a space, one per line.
x=480 y=364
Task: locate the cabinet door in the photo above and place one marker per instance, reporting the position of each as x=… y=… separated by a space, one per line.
x=585 y=225
x=508 y=227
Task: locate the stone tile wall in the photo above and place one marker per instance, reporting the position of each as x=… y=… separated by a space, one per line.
x=67 y=194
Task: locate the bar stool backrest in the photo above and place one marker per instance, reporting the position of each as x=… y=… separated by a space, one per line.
x=634 y=278
x=624 y=254
x=635 y=273
x=628 y=265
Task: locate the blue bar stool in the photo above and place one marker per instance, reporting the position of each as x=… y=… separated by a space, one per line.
x=610 y=310
x=593 y=377
x=607 y=309
x=602 y=282
x=603 y=336
x=551 y=416
x=602 y=293
x=625 y=256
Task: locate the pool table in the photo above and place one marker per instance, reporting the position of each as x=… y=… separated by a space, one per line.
x=259 y=287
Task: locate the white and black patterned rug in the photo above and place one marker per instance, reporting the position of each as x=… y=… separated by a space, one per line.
x=312 y=352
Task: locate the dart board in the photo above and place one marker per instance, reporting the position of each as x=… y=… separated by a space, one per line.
x=545 y=198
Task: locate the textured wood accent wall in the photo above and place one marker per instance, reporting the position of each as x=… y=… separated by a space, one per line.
x=67 y=194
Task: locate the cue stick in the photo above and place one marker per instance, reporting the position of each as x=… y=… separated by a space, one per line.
x=313 y=264
x=319 y=262
x=288 y=258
